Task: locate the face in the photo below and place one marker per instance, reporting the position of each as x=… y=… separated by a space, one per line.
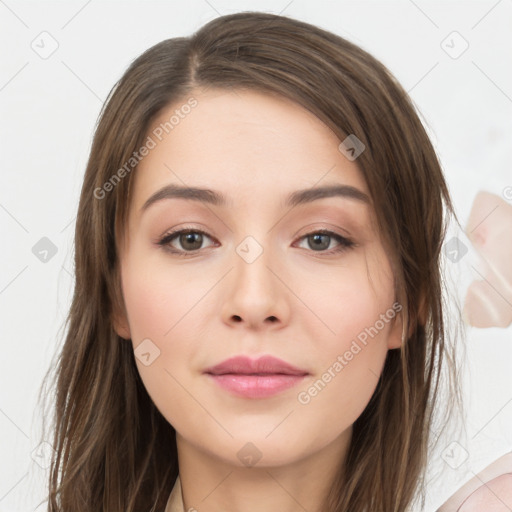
x=307 y=282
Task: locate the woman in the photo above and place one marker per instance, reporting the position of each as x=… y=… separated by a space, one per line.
x=291 y=357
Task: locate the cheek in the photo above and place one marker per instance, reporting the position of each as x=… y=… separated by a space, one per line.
x=355 y=307
x=351 y=302
x=157 y=298
x=159 y=302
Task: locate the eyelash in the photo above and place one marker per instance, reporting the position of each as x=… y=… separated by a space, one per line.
x=344 y=243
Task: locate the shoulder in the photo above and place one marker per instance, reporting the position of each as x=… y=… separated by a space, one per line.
x=489 y=490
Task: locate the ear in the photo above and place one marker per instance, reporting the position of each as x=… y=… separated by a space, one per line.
x=395 y=336
x=119 y=317
x=120 y=323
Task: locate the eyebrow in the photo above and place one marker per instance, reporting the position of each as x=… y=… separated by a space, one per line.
x=213 y=197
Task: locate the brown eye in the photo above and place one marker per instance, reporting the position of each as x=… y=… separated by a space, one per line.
x=187 y=241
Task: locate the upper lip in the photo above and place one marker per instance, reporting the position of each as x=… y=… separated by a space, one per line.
x=264 y=365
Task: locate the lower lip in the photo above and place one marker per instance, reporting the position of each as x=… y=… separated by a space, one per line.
x=256 y=386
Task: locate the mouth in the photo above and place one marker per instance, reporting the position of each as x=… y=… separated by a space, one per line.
x=260 y=378
x=256 y=386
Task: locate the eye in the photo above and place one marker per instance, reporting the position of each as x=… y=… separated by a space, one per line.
x=321 y=240
x=190 y=240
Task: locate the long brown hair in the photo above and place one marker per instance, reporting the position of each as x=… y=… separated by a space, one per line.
x=114 y=451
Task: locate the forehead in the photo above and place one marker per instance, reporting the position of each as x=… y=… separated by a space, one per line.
x=243 y=143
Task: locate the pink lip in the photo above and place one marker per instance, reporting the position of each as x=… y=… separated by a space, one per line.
x=258 y=378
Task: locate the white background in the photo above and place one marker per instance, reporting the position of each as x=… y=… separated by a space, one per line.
x=48 y=109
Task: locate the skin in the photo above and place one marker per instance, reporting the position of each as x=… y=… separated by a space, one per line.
x=495 y=496
x=489 y=490
x=202 y=309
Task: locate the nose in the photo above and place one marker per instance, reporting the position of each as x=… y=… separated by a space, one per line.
x=256 y=294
